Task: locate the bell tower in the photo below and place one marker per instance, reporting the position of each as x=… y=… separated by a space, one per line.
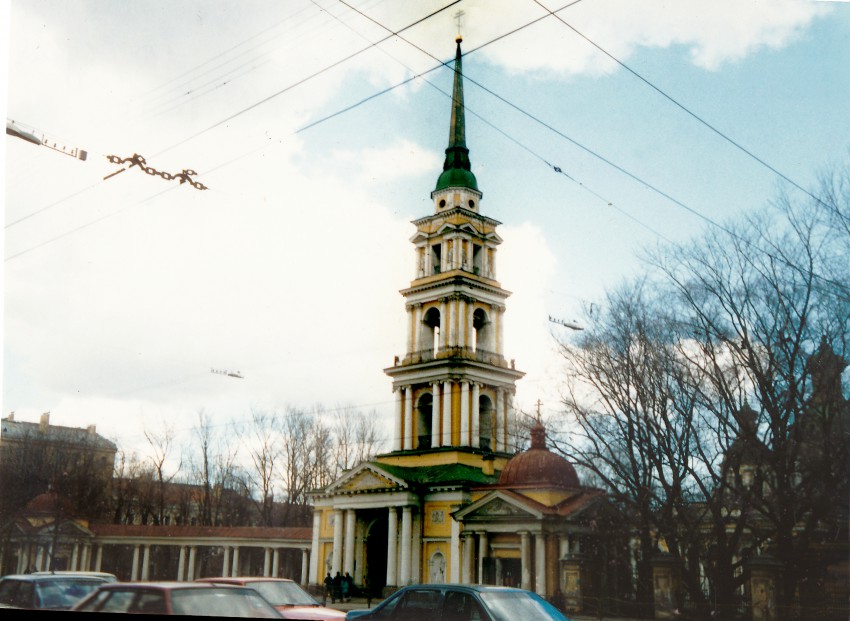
x=453 y=386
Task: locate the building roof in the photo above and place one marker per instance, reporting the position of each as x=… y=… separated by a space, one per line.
x=444 y=474
x=13 y=430
x=457 y=171
x=226 y=532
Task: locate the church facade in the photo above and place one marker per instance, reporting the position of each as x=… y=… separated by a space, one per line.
x=452 y=502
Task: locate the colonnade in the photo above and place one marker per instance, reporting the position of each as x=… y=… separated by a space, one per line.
x=457 y=329
x=539 y=553
x=35 y=556
x=456 y=253
x=441 y=416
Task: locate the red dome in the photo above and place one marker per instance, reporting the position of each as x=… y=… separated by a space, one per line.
x=50 y=503
x=539 y=466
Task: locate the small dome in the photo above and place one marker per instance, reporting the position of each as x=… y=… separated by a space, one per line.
x=539 y=466
x=51 y=504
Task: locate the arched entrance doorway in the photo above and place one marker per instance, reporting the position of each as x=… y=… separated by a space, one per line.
x=375 y=563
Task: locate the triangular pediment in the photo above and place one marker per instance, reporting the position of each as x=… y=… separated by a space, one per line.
x=495 y=507
x=363 y=478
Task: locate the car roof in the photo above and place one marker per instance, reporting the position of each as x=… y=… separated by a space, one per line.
x=463 y=587
x=166 y=585
x=242 y=579
x=42 y=577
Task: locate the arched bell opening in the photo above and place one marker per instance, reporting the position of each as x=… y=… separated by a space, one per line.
x=486 y=416
x=431 y=329
x=424 y=420
x=481 y=328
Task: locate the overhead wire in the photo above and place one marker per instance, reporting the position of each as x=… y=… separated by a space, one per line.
x=287 y=88
x=682 y=107
x=231 y=75
x=592 y=152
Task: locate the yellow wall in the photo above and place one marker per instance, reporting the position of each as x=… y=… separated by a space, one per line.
x=327 y=527
x=436 y=529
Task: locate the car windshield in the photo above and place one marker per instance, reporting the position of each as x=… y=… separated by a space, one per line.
x=512 y=605
x=281 y=593
x=221 y=603
x=65 y=592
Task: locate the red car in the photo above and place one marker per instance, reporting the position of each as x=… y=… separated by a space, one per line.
x=291 y=600
x=178 y=598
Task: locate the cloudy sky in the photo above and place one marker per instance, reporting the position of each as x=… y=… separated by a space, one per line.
x=320 y=135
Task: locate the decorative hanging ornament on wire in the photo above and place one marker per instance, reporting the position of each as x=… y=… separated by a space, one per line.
x=139 y=161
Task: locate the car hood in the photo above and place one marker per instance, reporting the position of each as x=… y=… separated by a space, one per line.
x=310 y=613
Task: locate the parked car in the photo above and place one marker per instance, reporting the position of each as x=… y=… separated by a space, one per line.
x=291 y=600
x=178 y=598
x=460 y=602
x=48 y=591
x=97 y=574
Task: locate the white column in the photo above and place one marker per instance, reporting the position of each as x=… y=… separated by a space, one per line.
x=483 y=551
x=392 y=546
x=234 y=569
x=225 y=562
x=464 y=413
x=336 y=565
x=454 y=574
x=509 y=417
x=428 y=264
x=358 y=553
x=146 y=563
x=406 y=534
x=525 y=559
x=408 y=419
x=348 y=556
x=134 y=573
x=397 y=422
x=99 y=558
x=443 y=324
x=468 y=557
x=417 y=327
x=540 y=564
x=193 y=553
x=267 y=561
x=315 y=578
x=87 y=557
x=450 y=328
x=276 y=564
x=476 y=421
x=497 y=331
x=462 y=336
x=181 y=565
x=499 y=423
x=435 y=414
x=75 y=557
x=447 y=413
x=305 y=566
x=469 y=247
x=470 y=329
x=485 y=261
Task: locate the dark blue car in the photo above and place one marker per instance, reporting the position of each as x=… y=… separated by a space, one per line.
x=460 y=602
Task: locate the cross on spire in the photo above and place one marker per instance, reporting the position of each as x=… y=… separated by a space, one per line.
x=458 y=16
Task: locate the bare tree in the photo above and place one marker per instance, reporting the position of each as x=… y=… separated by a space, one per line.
x=261 y=442
x=162 y=444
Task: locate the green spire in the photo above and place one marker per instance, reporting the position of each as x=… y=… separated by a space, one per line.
x=456 y=168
